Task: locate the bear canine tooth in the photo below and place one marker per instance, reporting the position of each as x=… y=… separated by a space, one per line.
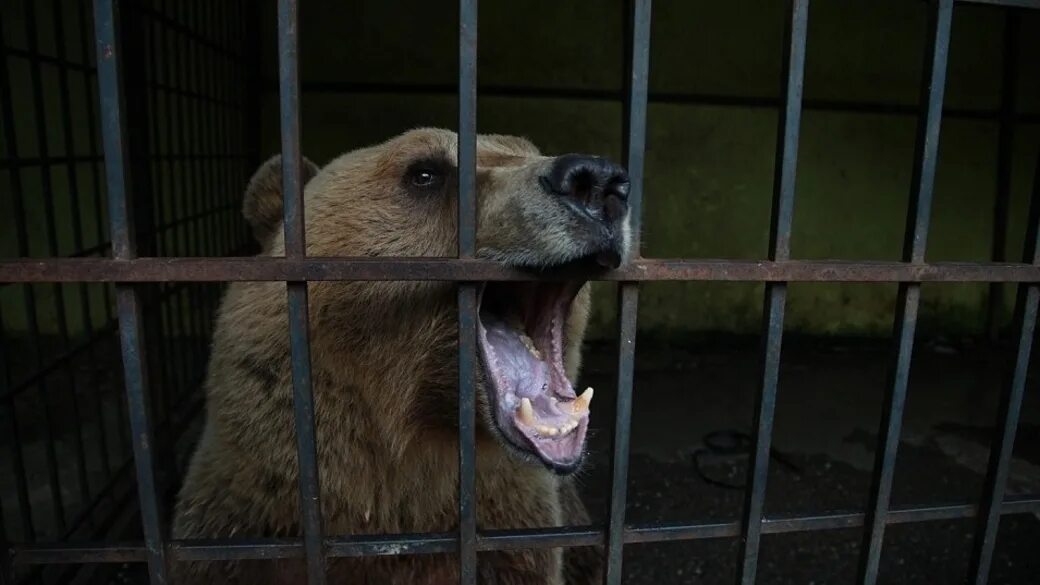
x=581 y=403
x=526 y=412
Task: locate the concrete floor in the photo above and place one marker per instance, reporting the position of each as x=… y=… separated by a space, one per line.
x=826 y=425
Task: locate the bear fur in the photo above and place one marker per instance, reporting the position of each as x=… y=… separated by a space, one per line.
x=384 y=377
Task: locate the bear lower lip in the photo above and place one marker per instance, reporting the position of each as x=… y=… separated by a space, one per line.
x=535 y=409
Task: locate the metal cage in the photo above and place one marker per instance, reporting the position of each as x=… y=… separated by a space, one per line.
x=209 y=158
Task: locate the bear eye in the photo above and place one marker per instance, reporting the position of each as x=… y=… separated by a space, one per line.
x=424 y=178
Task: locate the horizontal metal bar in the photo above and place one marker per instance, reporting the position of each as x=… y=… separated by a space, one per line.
x=234 y=269
x=654 y=97
x=492 y=540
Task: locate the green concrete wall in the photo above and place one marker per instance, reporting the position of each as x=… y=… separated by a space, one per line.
x=709 y=168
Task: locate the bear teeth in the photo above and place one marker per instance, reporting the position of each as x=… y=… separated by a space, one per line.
x=526 y=412
x=529 y=344
x=581 y=403
x=579 y=406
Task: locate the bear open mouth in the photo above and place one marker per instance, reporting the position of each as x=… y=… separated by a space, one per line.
x=535 y=407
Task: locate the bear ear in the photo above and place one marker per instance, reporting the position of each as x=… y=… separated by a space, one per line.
x=262 y=205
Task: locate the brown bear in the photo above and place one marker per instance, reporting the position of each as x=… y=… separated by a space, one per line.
x=384 y=365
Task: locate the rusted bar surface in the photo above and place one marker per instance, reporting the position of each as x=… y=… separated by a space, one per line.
x=775 y=301
x=451 y=269
x=1010 y=411
x=128 y=299
x=467 y=292
x=447 y=542
x=634 y=139
x=926 y=159
x=309 y=485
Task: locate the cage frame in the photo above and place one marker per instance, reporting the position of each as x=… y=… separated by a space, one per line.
x=127 y=269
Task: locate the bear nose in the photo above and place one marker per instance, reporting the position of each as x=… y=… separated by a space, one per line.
x=591 y=185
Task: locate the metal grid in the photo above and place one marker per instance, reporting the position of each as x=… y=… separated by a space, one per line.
x=60 y=371
x=126 y=269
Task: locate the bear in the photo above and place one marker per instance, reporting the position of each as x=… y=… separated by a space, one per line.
x=384 y=364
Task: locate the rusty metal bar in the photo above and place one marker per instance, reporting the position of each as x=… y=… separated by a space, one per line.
x=933 y=85
x=296 y=248
x=1011 y=403
x=236 y=269
x=106 y=19
x=467 y=291
x=634 y=139
x=490 y=540
x=785 y=169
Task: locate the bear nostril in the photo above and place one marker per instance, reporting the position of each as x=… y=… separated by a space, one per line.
x=595 y=184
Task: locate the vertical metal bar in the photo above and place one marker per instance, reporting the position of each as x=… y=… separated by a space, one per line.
x=75 y=219
x=785 y=169
x=28 y=292
x=296 y=248
x=634 y=141
x=467 y=137
x=467 y=292
x=926 y=157
x=131 y=335
x=1010 y=405
x=1005 y=152
x=86 y=33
